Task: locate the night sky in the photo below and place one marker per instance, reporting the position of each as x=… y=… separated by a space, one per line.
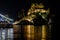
x=13 y=7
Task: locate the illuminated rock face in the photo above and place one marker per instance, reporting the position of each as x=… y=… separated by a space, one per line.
x=37 y=29
x=38 y=9
x=34 y=25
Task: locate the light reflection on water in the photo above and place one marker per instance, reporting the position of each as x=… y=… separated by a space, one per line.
x=35 y=32
x=6 y=34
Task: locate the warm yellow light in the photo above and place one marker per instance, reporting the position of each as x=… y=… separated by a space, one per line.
x=44 y=32
x=29 y=31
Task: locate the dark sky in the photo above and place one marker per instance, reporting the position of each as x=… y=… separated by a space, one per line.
x=12 y=7
x=9 y=7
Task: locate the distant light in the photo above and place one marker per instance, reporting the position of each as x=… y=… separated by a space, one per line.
x=4 y=18
x=1 y=20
